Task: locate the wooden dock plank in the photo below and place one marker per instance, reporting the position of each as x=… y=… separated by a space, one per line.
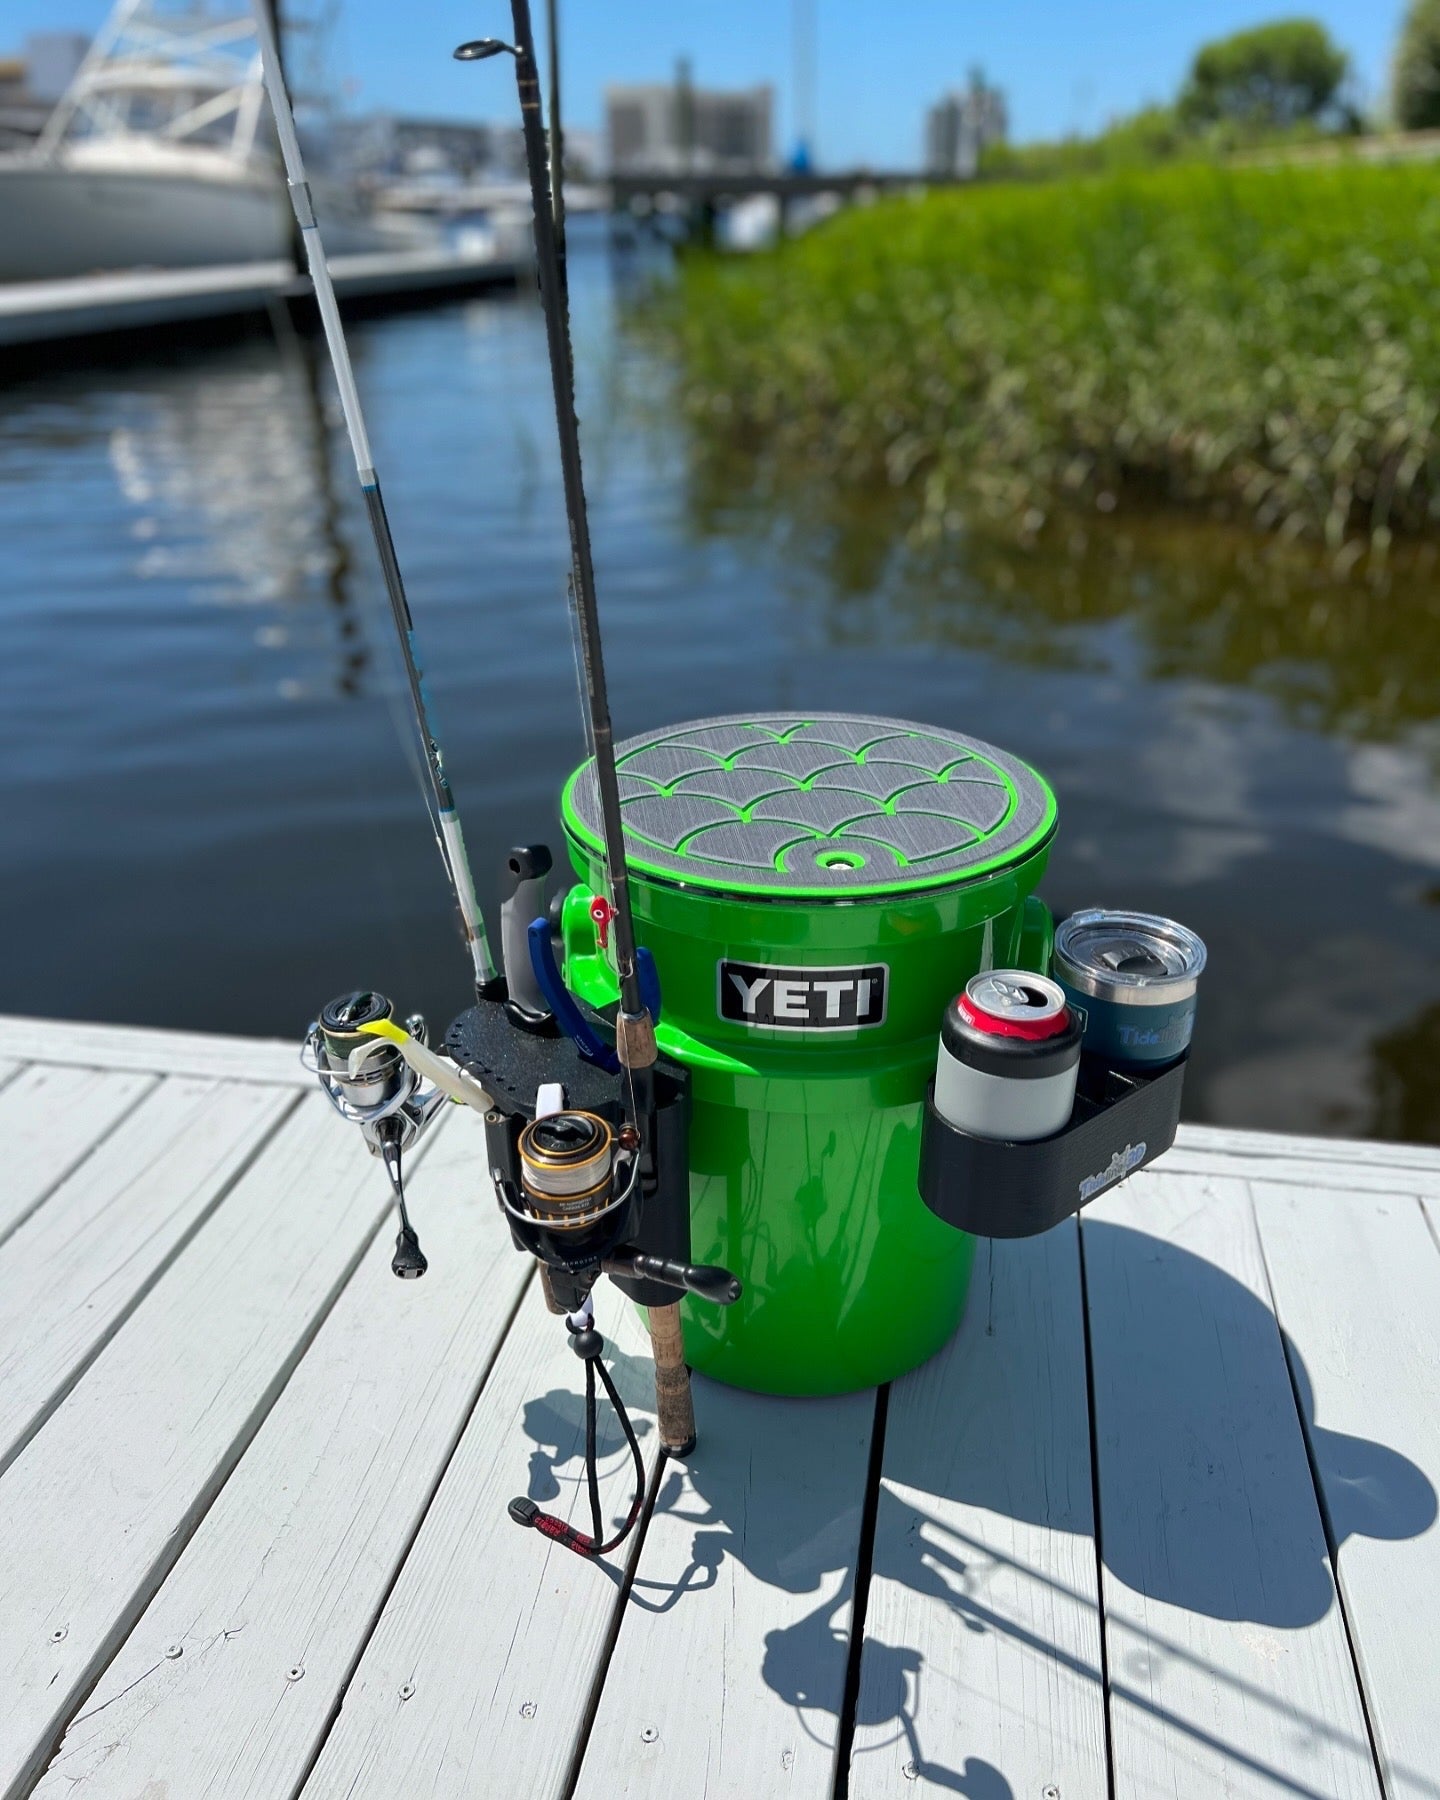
x=292 y=1563
x=982 y=1670
x=1344 y=1163
x=1356 y=1280
x=160 y=1052
x=73 y=1271
x=104 y=1499
x=728 y=1675
x=1229 y=1668
x=1230 y=1140
x=502 y=1664
x=1333 y=1174
x=479 y=1672
x=50 y=1120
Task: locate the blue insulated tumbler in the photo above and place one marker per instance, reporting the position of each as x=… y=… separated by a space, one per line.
x=1131 y=977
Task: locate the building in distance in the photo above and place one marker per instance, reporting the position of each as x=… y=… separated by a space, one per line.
x=678 y=129
x=962 y=125
x=33 y=81
x=391 y=145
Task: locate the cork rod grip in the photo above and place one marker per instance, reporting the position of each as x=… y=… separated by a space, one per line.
x=673 y=1403
x=547 y=1288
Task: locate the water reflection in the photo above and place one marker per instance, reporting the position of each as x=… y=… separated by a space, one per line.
x=230 y=490
x=1402 y=1078
x=1353 y=649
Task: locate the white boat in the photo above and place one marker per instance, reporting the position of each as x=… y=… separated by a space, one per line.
x=159 y=155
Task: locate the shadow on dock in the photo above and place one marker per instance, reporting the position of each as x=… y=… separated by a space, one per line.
x=1243 y=1554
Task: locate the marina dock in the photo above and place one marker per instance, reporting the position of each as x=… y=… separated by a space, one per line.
x=1161 y=1519
x=40 y=312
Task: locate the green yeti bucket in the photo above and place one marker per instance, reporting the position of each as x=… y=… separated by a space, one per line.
x=814 y=889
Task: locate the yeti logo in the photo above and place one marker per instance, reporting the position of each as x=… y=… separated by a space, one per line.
x=803 y=999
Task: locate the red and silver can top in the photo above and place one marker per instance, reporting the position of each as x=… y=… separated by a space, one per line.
x=1014 y=1003
x=1012 y=1023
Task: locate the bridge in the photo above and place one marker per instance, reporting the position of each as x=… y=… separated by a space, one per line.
x=714 y=185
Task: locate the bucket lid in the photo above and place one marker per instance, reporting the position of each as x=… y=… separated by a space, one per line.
x=816 y=805
x=1133 y=957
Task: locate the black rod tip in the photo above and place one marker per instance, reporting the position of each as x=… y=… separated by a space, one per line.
x=479 y=48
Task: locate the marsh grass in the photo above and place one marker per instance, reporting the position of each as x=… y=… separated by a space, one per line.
x=1262 y=342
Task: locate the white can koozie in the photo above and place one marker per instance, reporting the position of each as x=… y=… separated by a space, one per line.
x=1009 y=1057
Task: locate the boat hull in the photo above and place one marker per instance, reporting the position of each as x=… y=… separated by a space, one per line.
x=57 y=220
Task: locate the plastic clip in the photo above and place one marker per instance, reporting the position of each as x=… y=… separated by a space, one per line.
x=562 y=1002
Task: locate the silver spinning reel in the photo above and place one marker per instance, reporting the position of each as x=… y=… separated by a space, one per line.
x=367 y=1078
x=369 y=1081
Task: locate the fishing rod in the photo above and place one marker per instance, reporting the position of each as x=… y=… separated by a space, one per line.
x=440 y=799
x=557 y=134
x=635 y=1045
x=634 y=1015
x=586 y=1143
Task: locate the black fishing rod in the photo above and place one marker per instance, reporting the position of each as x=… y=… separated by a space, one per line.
x=557 y=134
x=634 y=1027
x=440 y=797
x=634 y=1024
x=592 y=1181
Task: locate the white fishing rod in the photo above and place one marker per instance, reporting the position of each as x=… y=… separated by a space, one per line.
x=447 y=824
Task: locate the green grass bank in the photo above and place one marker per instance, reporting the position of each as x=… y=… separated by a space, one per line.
x=1264 y=342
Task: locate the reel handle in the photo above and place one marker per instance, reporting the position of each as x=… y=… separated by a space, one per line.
x=707 y=1281
x=409 y=1261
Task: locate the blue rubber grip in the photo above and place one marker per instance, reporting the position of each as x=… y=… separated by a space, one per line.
x=562 y=1002
x=649 y=978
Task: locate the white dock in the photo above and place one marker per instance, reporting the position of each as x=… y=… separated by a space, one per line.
x=36 y=312
x=1161 y=1521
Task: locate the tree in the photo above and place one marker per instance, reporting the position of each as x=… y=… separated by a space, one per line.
x=1274 y=75
x=1415 y=93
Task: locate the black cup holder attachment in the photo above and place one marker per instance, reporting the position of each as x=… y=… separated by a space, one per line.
x=1121 y=1121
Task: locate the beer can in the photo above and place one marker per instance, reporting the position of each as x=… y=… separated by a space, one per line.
x=1131 y=977
x=1009 y=1057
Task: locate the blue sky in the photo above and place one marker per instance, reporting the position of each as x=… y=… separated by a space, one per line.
x=1064 y=66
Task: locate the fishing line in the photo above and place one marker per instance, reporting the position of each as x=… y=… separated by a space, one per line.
x=578 y=661
x=444 y=818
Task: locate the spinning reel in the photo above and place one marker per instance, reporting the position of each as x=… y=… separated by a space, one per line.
x=365 y=1077
x=570 y=1183
x=389 y=1083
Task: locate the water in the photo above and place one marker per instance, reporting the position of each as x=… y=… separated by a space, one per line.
x=207 y=817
